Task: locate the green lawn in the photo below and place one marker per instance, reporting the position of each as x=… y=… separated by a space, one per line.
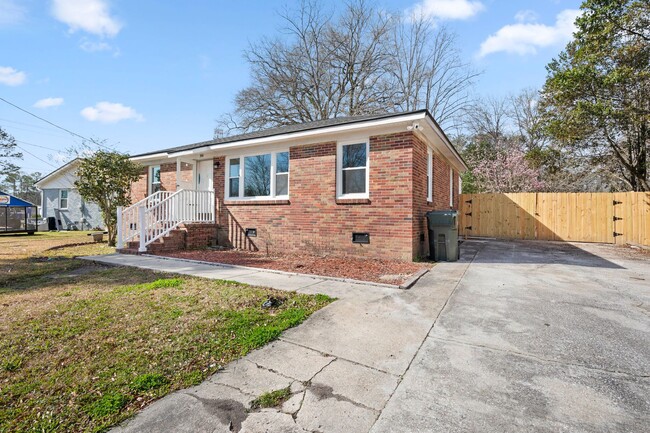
x=83 y=347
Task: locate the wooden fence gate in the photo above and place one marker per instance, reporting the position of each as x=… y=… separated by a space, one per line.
x=581 y=217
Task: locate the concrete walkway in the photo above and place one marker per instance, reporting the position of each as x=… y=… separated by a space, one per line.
x=515 y=337
x=343 y=363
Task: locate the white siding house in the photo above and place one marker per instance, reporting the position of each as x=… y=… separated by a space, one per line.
x=61 y=200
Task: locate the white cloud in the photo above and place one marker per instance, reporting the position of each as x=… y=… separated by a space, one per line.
x=11 y=77
x=94 y=47
x=526 y=16
x=48 y=102
x=525 y=38
x=110 y=112
x=11 y=13
x=92 y=16
x=446 y=9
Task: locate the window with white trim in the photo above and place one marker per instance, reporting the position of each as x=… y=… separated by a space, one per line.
x=154 y=185
x=352 y=176
x=451 y=187
x=258 y=176
x=429 y=175
x=63 y=199
x=282 y=174
x=233 y=177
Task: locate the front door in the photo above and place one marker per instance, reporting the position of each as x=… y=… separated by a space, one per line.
x=204 y=180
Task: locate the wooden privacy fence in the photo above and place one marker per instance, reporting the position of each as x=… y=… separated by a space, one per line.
x=582 y=217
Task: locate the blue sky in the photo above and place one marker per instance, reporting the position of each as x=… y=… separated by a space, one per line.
x=148 y=74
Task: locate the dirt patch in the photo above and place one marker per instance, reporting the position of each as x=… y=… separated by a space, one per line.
x=375 y=270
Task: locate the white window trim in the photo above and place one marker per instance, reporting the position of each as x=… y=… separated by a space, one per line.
x=429 y=174
x=451 y=187
x=242 y=164
x=339 y=169
x=67 y=198
x=150 y=177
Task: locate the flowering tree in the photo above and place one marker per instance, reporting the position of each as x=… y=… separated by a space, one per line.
x=506 y=171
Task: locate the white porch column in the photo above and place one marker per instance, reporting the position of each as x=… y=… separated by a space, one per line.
x=143 y=230
x=178 y=174
x=120 y=233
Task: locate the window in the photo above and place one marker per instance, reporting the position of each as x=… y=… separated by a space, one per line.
x=451 y=187
x=282 y=174
x=233 y=178
x=352 y=178
x=155 y=185
x=429 y=175
x=258 y=176
x=63 y=199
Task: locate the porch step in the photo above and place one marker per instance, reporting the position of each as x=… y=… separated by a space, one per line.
x=172 y=241
x=186 y=236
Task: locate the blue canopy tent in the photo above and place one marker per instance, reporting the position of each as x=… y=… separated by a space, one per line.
x=16 y=215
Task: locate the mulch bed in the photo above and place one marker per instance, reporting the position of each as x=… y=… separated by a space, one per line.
x=375 y=270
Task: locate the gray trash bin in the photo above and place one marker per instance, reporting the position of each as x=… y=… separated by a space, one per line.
x=443 y=235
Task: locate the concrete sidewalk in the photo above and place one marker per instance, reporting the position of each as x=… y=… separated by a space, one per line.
x=516 y=337
x=343 y=363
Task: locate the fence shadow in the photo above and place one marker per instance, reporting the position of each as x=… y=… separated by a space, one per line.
x=538 y=253
x=614 y=218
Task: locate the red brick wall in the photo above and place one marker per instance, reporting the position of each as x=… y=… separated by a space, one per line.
x=199 y=235
x=168 y=176
x=312 y=221
x=139 y=189
x=440 y=192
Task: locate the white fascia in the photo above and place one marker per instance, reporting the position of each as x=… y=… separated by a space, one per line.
x=319 y=131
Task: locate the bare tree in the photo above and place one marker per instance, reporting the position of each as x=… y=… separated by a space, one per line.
x=428 y=70
x=361 y=61
x=525 y=112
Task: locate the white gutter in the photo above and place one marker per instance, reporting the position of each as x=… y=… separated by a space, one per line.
x=146 y=157
x=303 y=134
x=444 y=139
x=313 y=133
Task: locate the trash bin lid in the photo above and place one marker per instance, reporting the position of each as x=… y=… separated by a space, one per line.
x=442 y=218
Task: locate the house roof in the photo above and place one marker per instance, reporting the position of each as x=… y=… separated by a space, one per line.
x=288 y=130
x=12 y=200
x=57 y=172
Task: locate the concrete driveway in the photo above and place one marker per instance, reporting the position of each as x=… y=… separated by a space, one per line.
x=516 y=337
x=537 y=337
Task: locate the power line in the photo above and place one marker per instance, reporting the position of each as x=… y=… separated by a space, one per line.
x=37 y=145
x=45 y=120
x=31 y=125
x=42 y=160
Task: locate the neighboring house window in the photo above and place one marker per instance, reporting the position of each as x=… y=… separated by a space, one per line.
x=63 y=199
x=155 y=179
x=460 y=185
x=258 y=176
x=429 y=175
x=352 y=173
x=451 y=187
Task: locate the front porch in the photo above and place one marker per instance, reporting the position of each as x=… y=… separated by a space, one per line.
x=167 y=221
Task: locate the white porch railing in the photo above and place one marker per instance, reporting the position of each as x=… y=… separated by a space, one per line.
x=158 y=214
x=129 y=220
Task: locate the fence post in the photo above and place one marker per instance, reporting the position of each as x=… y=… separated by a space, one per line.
x=120 y=234
x=143 y=231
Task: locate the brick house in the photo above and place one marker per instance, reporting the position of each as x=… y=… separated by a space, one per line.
x=349 y=186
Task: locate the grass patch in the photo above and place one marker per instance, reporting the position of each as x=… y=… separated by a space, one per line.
x=271 y=399
x=147 y=382
x=82 y=351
